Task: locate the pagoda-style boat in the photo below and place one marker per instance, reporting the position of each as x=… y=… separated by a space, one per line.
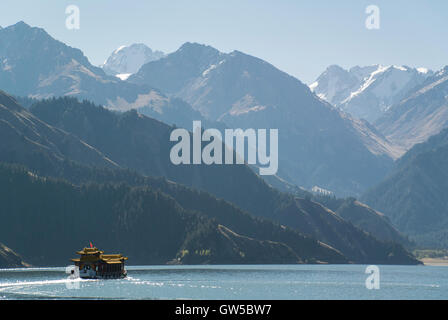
x=94 y=264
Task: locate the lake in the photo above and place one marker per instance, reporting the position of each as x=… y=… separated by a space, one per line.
x=253 y=282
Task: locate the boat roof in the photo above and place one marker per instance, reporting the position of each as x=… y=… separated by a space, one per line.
x=93 y=254
x=90 y=251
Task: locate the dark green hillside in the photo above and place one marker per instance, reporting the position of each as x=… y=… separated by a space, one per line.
x=46 y=220
x=26 y=139
x=414 y=196
x=365 y=218
x=10 y=259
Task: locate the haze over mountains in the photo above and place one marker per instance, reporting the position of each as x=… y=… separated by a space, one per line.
x=35 y=65
x=336 y=152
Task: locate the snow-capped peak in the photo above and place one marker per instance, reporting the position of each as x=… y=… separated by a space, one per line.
x=127 y=60
x=366 y=92
x=423 y=70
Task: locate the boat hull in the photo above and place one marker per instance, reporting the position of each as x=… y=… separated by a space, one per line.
x=103 y=276
x=93 y=275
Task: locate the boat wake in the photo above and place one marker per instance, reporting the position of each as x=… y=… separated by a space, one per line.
x=41 y=283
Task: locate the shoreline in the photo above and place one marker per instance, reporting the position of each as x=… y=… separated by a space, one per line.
x=440 y=262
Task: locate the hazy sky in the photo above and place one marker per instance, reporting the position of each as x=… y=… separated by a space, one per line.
x=299 y=37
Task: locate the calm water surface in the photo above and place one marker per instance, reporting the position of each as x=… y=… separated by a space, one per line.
x=268 y=282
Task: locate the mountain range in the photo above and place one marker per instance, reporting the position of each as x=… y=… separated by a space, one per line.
x=405 y=105
x=76 y=131
x=413 y=196
x=243 y=91
x=414 y=120
x=367 y=92
x=136 y=142
x=35 y=65
x=197 y=82
x=420 y=115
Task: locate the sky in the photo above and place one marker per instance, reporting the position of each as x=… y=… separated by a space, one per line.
x=299 y=37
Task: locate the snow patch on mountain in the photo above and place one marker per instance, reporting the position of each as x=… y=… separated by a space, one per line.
x=123 y=76
x=211 y=68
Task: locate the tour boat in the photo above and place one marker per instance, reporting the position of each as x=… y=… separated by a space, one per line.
x=94 y=264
